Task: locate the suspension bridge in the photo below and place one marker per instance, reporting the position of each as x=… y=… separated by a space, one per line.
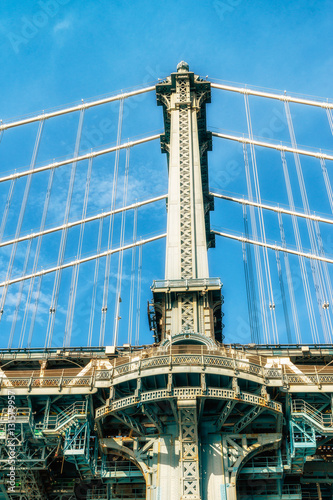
x=97 y=400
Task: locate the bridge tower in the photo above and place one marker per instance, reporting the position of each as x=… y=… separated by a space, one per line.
x=189 y=417
x=187 y=304
x=189 y=459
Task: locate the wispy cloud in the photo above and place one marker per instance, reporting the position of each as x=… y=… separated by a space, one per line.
x=63 y=25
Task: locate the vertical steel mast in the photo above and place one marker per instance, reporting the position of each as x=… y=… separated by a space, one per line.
x=187 y=304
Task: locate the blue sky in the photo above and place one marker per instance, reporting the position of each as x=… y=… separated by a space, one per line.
x=55 y=52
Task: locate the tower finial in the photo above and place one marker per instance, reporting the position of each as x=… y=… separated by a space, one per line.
x=183 y=67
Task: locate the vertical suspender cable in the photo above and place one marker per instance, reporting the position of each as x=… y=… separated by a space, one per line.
x=325 y=304
x=283 y=297
x=320 y=280
x=256 y=252
x=305 y=280
x=132 y=287
x=7 y=207
x=76 y=268
x=290 y=283
x=19 y=297
x=250 y=286
x=8 y=202
x=261 y=223
x=110 y=238
x=62 y=247
x=121 y=255
x=22 y=212
x=327 y=183
x=34 y=269
x=330 y=118
x=93 y=297
x=138 y=297
x=248 y=295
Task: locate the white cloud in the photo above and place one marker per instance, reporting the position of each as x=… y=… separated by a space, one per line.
x=63 y=25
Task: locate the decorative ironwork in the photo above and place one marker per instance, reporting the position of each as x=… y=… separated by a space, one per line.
x=189 y=459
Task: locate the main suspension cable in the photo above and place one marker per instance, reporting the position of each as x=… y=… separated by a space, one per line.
x=270 y=95
x=79 y=222
x=100 y=255
x=72 y=109
x=278 y=147
x=307 y=255
x=276 y=209
x=87 y=156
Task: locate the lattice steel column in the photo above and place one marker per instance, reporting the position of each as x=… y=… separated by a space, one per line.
x=184 y=103
x=183 y=96
x=189 y=450
x=186 y=141
x=29 y=487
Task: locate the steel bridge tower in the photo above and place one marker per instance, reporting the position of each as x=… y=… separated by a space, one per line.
x=188 y=418
x=187 y=303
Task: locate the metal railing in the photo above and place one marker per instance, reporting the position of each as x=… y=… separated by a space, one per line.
x=19 y=415
x=192 y=356
x=187 y=393
x=266 y=491
x=129 y=362
x=187 y=283
x=291 y=489
x=54 y=422
x=263 y=463
x=105 y=494
x=299 y=406
x=118 y=468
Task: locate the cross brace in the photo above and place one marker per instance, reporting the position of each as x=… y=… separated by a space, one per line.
x=247 y=419
x=227 y=409
x=153 y=418
x=130 y=422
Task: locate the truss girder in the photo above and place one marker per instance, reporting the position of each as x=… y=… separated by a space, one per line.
x=227 y=409
x=154 y=419
x=249 y=416
x=129 y=422
x=182 y=393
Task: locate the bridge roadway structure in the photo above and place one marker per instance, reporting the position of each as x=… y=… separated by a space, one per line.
x=188 y=417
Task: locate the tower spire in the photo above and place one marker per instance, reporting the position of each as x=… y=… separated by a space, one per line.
x=184 y=303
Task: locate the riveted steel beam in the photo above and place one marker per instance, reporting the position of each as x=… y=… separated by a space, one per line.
x=129 y=422
x=247 y=419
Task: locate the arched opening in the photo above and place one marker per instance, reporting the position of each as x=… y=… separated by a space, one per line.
x=189 y=339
